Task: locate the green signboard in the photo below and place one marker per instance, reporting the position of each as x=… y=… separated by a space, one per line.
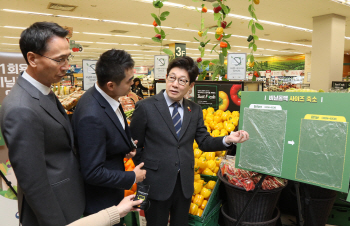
x=206 y=96
x=297 y=136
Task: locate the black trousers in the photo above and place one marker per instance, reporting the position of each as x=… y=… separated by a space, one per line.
x=177 y=205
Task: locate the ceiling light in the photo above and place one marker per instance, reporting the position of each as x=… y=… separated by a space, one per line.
x=106 y=43
x=11 y=37
x=22 y=28
x=344 y=2
x=280 y=42
x=178 y=40
x=82 y=41
x=126 y=36
x=120 y=22
x=88 y=33
x=27 y=12
x=10 y=44
x=77 y=17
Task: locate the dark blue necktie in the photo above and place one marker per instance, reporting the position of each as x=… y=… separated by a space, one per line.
x=176 y=118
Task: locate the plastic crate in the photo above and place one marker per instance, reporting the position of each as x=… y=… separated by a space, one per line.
x=339 y=216
x=211 y=220
x=213 y=200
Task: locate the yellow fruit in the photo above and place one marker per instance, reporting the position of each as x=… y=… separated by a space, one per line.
x=210 y=109
x=219 y=31
x=195 y=145
x=225 y=116
x=209 y=118
x=219 y=126
x=215 y=133
x=257 y=2
x=204 y=111
x=223 y=132
x=200 y=33
x=235 y=114
x=234 y=121
x=212 y=125
x=217 y=119
x=219 y=112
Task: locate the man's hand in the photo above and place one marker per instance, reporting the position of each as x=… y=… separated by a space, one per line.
x=140 y=173
x=237 y=137
x=132 y=153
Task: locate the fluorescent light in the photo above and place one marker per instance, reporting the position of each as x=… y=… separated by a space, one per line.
x=348 y=38
x=280 y=42
x=82 y=41
x=11 y=37
x=126 y=36
x=10 y=44
x=22 y=28
x=173 y=4
x=106 y=43
x=27 y=12
x=77 y=17
x=266 y=40
x=88 y=33
x=178 y=40
x=120 y=22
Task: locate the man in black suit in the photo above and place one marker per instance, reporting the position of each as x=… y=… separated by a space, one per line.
x=102 y=134
x=38 y=134
x=165 y=126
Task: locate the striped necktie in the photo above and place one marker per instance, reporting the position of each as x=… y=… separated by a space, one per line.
x=176 y=118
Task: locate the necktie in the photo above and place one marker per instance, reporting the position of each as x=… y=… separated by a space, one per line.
x=120 y=116
x=52 y=97
x=176 y=118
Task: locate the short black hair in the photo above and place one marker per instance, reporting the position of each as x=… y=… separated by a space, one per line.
x=187 y=64
x=112 y=65
x=34 y=38
x=137 y=80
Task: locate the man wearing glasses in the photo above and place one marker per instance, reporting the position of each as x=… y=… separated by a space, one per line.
x=165 y=126
x=38 y=134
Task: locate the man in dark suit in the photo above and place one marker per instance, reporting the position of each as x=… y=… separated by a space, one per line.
x=165 y=126
x=102 y=134
x=38 y=134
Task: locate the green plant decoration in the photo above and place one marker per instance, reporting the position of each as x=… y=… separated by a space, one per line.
x=253 y=25
x=203 y=41
x=220 y=12
x=157 y=23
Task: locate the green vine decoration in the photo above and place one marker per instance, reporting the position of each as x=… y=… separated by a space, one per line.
x=160 y=34
x=202 y=42
x=220 y=12
x=253 y=25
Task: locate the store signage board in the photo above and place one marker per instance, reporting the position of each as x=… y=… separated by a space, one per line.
x=298 y=136
x=89 y=73
x=206 y=96
x=236 y=66
x=160 y=65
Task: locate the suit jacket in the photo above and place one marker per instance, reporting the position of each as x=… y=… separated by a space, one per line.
x=101 y=144
x=39 y=137
x=162 y=151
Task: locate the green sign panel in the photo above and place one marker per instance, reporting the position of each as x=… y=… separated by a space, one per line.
x=180 y=50
x=297 y=136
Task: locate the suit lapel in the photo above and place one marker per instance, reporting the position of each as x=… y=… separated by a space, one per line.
x=163 y=109
x=186 y=118
x=111 y=114
x=52 y=109
x=48 y=105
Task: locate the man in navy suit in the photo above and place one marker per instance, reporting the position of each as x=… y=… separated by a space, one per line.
x=166 y=126
x=102 y=135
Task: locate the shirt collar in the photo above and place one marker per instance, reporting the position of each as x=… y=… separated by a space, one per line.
x=41 y=87
x=170 y=101
x=114 y=103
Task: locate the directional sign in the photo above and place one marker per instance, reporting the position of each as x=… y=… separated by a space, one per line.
x=160 y=65
x=236 y=66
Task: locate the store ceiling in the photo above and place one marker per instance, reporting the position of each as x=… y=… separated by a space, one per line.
x=297 y=13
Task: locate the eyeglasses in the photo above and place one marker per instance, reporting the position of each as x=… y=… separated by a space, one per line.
x=61 y=61
x=181 y=81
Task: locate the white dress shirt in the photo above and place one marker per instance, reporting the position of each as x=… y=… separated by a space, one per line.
x=41 y=87
x=114 y=104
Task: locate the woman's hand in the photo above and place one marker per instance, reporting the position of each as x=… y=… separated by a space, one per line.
x=127 y=205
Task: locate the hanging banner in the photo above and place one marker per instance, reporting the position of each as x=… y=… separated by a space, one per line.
x=11 y=65
x=160 y=65
x=89 y=73
x=236 y=66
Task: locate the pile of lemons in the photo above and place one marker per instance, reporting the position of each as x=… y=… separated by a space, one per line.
x=220 y=123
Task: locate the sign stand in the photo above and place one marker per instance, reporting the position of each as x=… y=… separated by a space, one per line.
x=8 y=182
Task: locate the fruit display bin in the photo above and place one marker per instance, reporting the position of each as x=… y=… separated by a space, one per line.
x=214 y=199
x=211 y=220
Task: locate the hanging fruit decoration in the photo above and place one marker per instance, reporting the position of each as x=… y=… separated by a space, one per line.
x=160 y=34
x=253 y=25
x=220 y=12
x=203 y=41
